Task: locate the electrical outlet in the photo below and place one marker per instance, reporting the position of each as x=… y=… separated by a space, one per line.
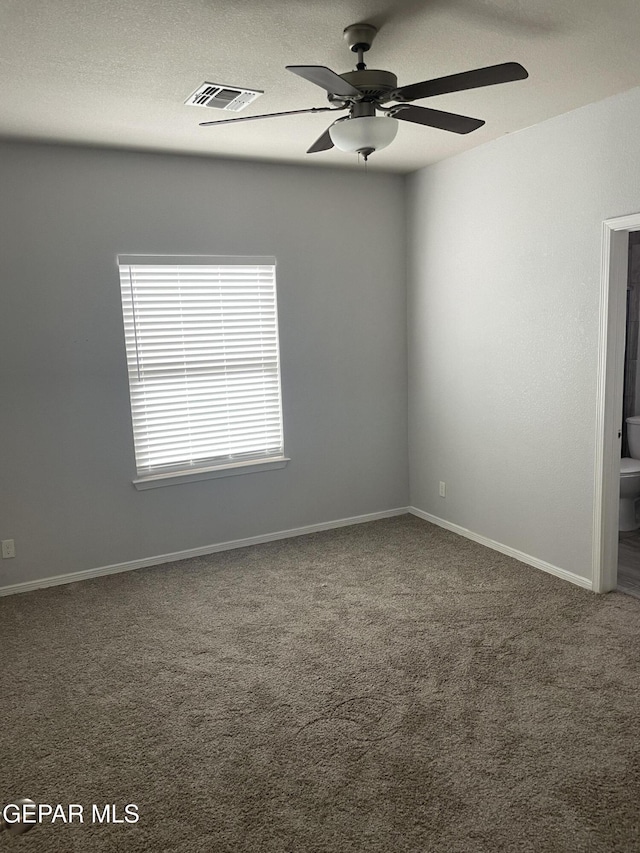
x=443 y=489
x=8 y=549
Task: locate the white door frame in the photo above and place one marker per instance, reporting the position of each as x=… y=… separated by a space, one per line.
x=613 y=304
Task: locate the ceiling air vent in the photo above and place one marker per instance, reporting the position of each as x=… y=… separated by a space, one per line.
x=230 y=98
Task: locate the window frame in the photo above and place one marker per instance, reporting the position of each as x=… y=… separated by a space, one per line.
x=215 y=467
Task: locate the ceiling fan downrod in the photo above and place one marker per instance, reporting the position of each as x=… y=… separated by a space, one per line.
x=360 y=37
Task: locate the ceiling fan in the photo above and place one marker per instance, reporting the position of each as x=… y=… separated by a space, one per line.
x=366 y=92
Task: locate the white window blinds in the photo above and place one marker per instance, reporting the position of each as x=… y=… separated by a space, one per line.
x=202 y=351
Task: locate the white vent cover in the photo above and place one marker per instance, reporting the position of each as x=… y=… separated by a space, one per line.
x=222 y=97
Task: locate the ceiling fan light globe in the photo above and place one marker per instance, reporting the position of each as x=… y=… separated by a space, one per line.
x=365 y=132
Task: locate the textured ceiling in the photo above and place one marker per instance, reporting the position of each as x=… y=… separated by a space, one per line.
x=117 y=73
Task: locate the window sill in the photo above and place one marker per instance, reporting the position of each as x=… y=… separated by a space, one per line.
x=175 y=478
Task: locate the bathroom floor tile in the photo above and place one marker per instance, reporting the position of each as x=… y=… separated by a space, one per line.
x=629 y=563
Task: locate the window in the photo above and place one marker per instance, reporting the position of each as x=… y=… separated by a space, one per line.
x=204 y=376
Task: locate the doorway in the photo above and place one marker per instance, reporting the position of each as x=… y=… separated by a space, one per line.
x=610 y=398
x=629 y=534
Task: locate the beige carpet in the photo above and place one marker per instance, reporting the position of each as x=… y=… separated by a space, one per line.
x=388 y=688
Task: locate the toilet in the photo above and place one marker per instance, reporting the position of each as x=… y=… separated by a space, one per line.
x=630 y=478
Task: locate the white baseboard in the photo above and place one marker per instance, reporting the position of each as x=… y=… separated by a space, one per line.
x=504 y=549
x=146 y=562
x=158 y=560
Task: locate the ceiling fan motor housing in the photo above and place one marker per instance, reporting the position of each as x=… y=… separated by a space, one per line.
x=371 y=83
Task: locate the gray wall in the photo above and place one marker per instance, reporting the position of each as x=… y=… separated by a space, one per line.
x=66 y=443
x=505 y=246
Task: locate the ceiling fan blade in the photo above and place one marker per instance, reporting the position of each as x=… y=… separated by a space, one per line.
x=322 y=143
x=325 y=78
x=490 y=76
x=272 y=115
x=436 y=118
